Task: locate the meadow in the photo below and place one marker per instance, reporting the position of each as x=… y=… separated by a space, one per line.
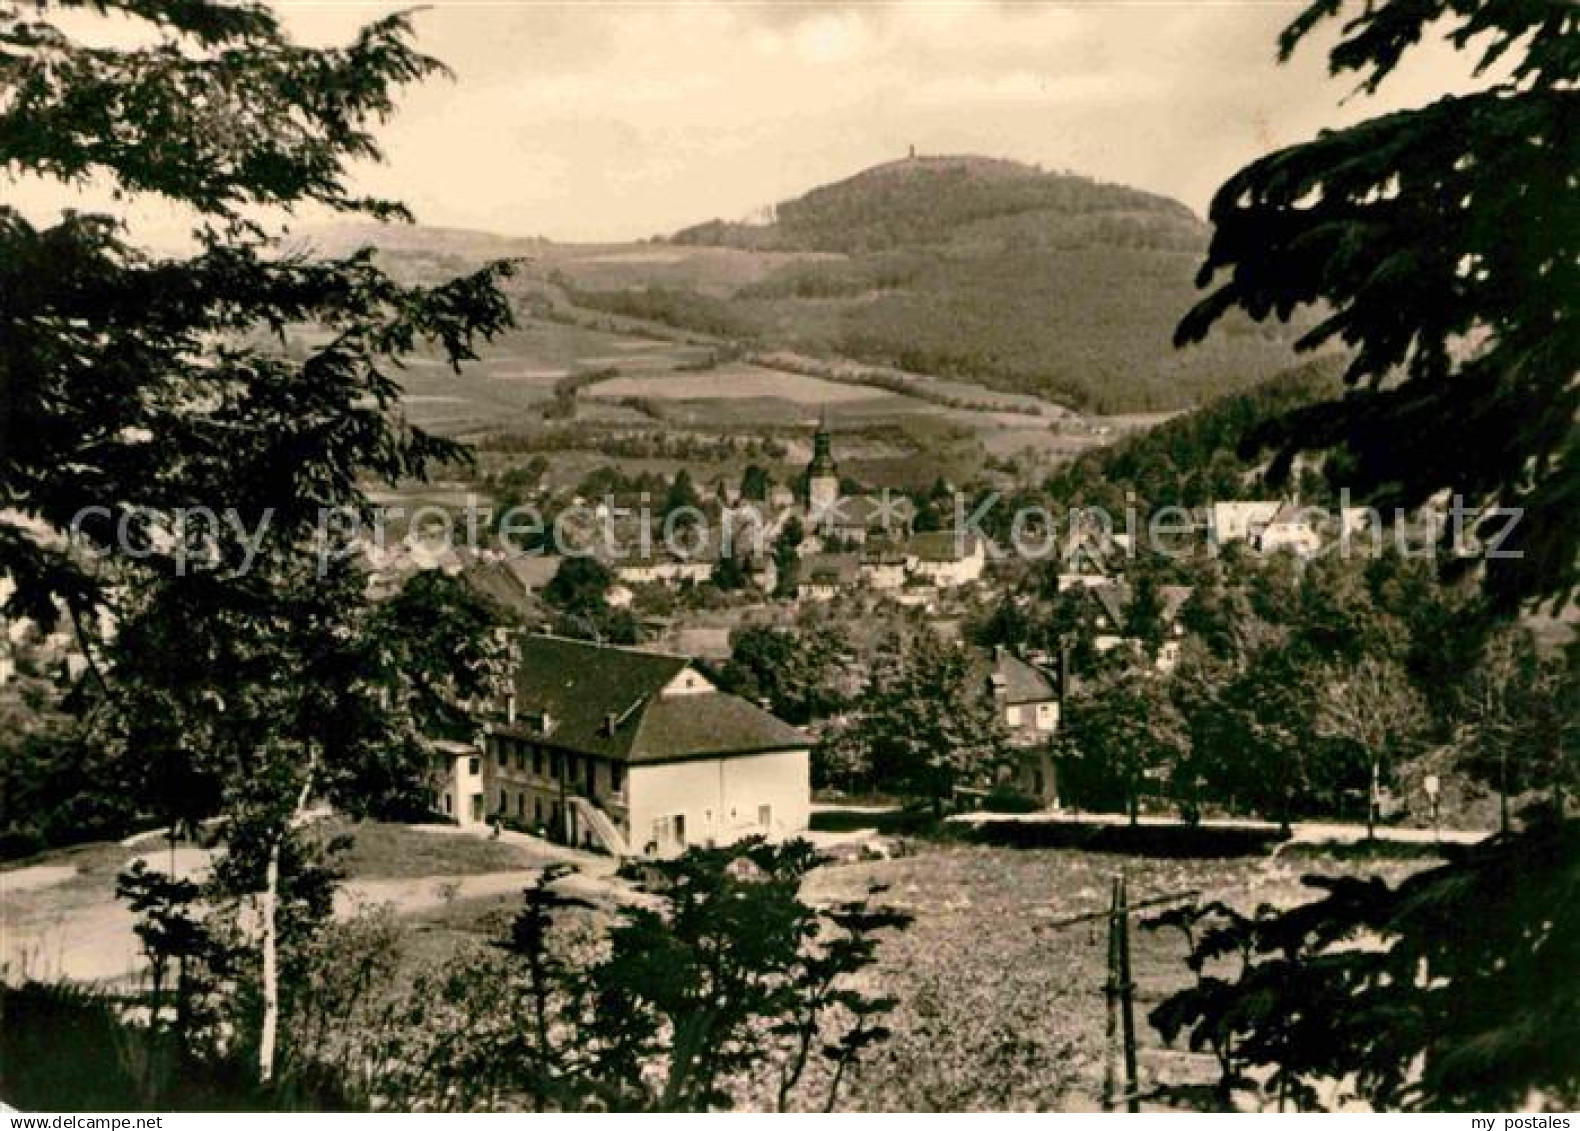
x=999 y=1008
x=999 y=1005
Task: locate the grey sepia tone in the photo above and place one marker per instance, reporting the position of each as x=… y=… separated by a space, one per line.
x=789 y=556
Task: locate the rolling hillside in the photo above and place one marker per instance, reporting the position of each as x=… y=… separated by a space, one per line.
x=972 y=268
x=927 y=200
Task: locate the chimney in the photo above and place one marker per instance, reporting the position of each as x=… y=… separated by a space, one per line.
x=510 y=707
x=610 y=721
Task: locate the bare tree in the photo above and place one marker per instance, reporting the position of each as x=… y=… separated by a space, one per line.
x=1373 y=705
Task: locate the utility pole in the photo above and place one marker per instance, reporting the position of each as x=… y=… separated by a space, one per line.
x=1127 y=994
x=1111 y=993
x=1119 y=989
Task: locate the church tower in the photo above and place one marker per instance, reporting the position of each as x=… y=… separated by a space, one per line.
x=822 y=477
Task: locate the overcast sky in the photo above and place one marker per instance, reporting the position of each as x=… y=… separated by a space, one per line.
x=621 y=120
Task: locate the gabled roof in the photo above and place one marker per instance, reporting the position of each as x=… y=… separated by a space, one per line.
x=497 y=582
x=1113 y=600
x=1290 y=514
x=830 y=569
x=1173 y=598
x=581 y=686
x=869 y=511
x=941 y=546
x=1016 y=679
x=533 y=570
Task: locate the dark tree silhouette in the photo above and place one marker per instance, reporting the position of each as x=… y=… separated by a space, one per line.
x=1443 y=242
x=166 y=456
x=1444 y=245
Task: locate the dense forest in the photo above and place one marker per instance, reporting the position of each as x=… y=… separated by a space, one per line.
x=1213 y=454
x=933 y=199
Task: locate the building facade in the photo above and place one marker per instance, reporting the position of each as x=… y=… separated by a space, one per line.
x=631 y=752
x=1027 y=698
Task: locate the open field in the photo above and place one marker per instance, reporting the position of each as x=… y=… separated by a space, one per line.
x=635 y=373
x=996 y=1010
x=634 y=383
x=735 y=381
x=999 y=1012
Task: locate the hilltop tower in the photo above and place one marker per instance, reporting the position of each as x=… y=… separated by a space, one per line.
x=822 y=476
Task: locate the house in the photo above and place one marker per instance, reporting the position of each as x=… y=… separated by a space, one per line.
x=709 y=643
x=1067 y=581
x=780 y=498
x=825 y=576
x=1239 y=521
x=495 y=581
x=634 y=752
x=1173 y=599
x=665 y=568
x=533 y=571
x=883 y=566
x=458 y=782
x=855 y=519
x=1291 y=528
x=1028 y=699
x=944 y=559
x=1112 y=614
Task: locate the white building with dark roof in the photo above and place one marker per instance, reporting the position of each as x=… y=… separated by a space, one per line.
x=1291 y=528
x=633 y=752
x=1027 y=697
x=1239 y=521
x=945 y=559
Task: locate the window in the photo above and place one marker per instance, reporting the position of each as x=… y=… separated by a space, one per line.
x=570 y=767
x=680 y=829
x=474 y=766
x=504 y=802
x=521 y=804
x=537 y=809
x=500 y=750
x=554 y=765
x=616 y=777
x=765 y=815
x=521 y=756
x=448 y=806
x=592 y=776
x=537 y=760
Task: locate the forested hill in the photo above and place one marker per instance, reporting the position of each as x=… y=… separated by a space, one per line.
x=930 y=200
x=1202 y=456
x=988 y=270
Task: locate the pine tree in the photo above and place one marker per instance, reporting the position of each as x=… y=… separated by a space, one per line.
x=1442 y=245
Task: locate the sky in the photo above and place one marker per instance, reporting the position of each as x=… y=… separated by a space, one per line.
x=613 y=121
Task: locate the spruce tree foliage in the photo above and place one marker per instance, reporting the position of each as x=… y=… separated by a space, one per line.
x=1461 y=998
x=1443 y=245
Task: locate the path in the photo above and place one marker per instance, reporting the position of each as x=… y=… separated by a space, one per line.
x=1302 y=832
x=59 y=923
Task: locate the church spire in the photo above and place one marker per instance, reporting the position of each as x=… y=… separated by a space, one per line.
x=822 y=475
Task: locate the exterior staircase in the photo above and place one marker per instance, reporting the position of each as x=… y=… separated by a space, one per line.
x=604 y=830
